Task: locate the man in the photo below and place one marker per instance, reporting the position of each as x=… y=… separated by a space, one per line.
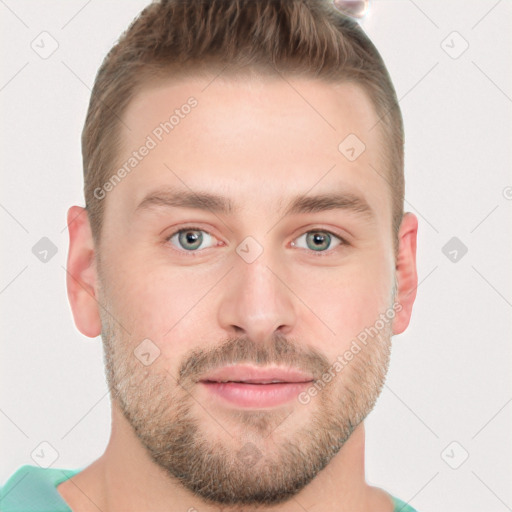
x=245 y=256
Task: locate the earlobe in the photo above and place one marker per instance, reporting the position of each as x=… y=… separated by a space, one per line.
x=81 y=279
x=406 y=273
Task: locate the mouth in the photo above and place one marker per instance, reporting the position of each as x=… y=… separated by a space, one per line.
x=245 y=386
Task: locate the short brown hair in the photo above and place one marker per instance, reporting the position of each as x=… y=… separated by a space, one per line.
x=170 y=38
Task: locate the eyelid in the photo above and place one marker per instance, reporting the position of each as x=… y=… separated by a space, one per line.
x=343 y=240
x=189 y=228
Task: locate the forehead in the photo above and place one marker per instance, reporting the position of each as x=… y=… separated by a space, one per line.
x=251 y=103
x=253 y=136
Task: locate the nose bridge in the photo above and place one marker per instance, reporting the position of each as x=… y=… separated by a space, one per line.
x=256 y=301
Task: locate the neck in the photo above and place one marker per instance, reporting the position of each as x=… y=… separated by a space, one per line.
x=125 y=478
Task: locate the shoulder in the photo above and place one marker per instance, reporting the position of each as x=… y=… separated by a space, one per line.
x=34 y=489
x=401 y=506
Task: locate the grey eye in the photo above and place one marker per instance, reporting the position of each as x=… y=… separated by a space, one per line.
x=190 y=239
x=318 y=241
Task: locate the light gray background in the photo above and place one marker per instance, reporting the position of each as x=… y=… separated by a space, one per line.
x=450 y=376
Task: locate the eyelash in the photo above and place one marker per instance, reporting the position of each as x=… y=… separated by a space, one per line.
x=327 y=252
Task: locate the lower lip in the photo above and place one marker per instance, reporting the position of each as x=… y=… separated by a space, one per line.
x=256 y=395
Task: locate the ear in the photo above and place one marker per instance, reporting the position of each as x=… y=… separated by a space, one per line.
x=406 y=273
x=81 y=280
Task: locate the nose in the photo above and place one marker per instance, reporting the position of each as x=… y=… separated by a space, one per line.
x=257 y=301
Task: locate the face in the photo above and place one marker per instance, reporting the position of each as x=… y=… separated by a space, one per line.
x=244 y=246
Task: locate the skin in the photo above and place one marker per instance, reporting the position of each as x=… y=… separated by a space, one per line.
x=257 y=142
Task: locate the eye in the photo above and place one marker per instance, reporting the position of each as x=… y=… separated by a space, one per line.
x=191 y=239
x=318 y=241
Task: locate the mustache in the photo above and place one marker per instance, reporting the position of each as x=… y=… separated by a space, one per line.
x=279 y=351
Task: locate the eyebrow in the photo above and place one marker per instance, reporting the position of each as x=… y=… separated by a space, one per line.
x=172 y=198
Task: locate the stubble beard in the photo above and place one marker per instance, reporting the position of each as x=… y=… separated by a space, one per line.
x=247 y=458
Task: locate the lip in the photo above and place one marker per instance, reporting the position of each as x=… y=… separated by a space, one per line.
x=257 y=375
x=245 y=386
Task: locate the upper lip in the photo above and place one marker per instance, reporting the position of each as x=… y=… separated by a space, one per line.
x=256 y=375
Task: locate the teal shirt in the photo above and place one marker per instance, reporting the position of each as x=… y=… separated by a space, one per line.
x=34 y=489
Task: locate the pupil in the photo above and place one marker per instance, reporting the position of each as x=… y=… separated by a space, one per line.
x=191 y=239
x=319 y=240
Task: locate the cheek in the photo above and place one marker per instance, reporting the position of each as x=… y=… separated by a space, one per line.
x=351 y=298
x=160 y=304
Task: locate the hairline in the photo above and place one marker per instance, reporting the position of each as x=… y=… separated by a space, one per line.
x=156 y=75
